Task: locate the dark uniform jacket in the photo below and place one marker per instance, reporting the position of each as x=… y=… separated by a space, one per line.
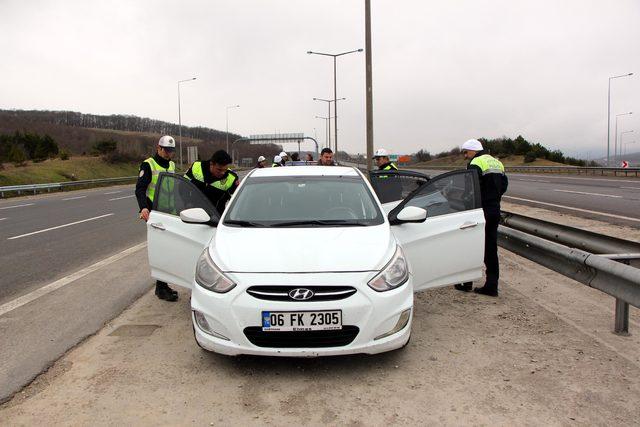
x=144 y=179
x=388 y=166
x=217 y=197
x=492 y=185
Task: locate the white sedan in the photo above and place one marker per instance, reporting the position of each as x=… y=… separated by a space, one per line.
x=307 y=261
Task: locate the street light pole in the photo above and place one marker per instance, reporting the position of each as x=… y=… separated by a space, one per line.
x=609 y=113
x=180 y=118
x=622 y=133
x=329 y=101
x=615 y=145
x=625 y=146
x=326 y=129
x=335 y=90
x=230 y=106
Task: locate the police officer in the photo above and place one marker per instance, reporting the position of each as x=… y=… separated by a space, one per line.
x=493 y=184
x=382 y=160
x=284 y=158
x=277 y=162
x=145 y=192
x=261 y=162
x=214 y=178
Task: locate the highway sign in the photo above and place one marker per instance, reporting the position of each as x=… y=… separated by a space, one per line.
x=624 y=164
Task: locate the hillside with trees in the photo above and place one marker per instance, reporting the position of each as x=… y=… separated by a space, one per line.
x=516 y=150
x=134 y=138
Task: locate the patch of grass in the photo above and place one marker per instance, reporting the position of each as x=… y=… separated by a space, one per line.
x=56 y=170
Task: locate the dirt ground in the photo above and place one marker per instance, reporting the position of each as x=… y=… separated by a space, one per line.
x=540 y=354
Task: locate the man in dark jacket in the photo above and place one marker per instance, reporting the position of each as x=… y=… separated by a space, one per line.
x=215 y=179
x=493 y=184
x=145 y=192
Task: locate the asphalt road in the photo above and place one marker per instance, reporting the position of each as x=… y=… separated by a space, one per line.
x=93 y=224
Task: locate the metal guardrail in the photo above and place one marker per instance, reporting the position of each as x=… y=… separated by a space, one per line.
x=60 y=186
x=579 y=170
x=606 y=266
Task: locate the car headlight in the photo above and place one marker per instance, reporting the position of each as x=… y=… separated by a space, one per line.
x=394 y=274
x=210 y=277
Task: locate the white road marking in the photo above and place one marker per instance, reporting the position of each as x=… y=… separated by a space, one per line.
x=631 y=188
x=59 y=226
x=123 y=197
x=74 y=198
x=31 y=296
x=532 y=180
x=589 y=194
x=2 y=219
x=17 y=206
x=573 y=209
x=114 y=192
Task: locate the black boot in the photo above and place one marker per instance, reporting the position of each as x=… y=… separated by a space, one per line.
x=163 y=291
x=488 y=290
x=464 y=287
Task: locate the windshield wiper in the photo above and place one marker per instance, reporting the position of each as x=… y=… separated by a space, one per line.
x=321 y=222
x=243 y=223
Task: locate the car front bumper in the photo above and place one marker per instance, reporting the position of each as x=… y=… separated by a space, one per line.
x=373 y=313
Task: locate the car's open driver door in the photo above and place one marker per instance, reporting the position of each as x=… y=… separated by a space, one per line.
x=173 y=245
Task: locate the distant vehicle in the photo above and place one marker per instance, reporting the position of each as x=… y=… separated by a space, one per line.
x=306 y=261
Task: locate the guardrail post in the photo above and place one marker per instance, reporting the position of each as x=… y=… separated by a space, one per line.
x=622 y=317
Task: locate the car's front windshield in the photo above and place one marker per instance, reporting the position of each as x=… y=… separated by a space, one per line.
x=303 y=201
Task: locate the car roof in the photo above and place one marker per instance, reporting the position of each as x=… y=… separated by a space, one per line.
x=305 y=171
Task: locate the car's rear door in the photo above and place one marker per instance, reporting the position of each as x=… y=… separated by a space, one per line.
x=174 y=246
x=448 y=247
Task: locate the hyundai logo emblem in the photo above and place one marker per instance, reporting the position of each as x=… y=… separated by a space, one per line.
x=301 y=294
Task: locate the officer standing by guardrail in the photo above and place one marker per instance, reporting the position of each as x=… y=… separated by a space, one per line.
x=493 y=184
x=145 y=192
x=214 y=178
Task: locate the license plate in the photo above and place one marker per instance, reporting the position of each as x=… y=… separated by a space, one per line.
x=301 y=320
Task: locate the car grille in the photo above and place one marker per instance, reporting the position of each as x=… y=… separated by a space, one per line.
x=320 y=293
x=301 y=339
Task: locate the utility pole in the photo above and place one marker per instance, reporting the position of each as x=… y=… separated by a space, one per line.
x=369 y=82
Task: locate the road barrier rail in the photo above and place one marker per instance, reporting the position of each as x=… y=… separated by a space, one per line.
x=601 y=262
x=61 y=186
x=579 y=170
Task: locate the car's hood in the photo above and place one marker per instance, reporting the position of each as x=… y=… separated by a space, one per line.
x=302 y=250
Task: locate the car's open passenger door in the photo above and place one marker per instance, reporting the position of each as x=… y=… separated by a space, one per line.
x=173 y=245
x=392 y=187
x=447 y=247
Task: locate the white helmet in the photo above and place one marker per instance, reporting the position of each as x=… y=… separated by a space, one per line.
x=472 y=145
x=283 y=154
x=380 y=152
x=277 y=159
x=167 y=142
x=261 y=159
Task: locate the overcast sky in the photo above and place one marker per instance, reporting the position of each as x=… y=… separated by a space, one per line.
x=443 y=71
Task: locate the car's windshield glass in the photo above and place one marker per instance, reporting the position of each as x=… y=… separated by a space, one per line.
x=303 y=201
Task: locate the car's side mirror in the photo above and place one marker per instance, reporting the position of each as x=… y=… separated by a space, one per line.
x=408 y=214
x=196 y=216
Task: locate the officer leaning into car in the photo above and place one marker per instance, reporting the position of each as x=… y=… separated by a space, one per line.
x=381 y=156
x=214 y=178
x=145 y=192
x=493 y=184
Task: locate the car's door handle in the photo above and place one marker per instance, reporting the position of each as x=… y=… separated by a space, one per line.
x=157 y=225
x=465 y=225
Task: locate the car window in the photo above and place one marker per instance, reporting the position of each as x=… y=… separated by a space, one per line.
x=276 y=201
x=448 y=193
x=391 y=186
x=175 y=194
